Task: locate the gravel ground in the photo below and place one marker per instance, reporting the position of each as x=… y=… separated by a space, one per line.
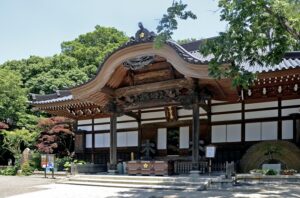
x=29 y=187
x=13 y=185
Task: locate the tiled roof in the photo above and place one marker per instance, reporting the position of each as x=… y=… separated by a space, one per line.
x=59 y=96
x=189 y=52
x=291 y=59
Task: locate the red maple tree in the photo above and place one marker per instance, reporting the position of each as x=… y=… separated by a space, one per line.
x=57 y=136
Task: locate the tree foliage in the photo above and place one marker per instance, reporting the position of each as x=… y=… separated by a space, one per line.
x=15 y=141
x=259 y=32
x=169 y=23
x=77 y=62
x=13 y=100
x=57 y=136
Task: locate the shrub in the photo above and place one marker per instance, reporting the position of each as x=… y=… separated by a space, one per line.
x=67 y=165
x=26 y=169
x=35 y=161
x=270 y=172
x=60 y=162
x=11 y=170
x=258 y=171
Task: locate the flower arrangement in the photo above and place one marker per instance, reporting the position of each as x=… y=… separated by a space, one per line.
x=288 y=172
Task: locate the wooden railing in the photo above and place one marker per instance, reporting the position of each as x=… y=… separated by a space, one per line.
x=218 y=167
x=184 y=167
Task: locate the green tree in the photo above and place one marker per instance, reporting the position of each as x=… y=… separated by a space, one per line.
x=185 y=41
x=78 y=61
x=91 y=48
x=259 y=32
x=13 y=100
x=15 y=141
x=168 y=24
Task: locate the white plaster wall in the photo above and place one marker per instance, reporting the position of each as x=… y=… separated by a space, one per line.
x=162 y=138
x=253 y=131
x=88 y=141
x=183 y=112
x=184 y=137
x=286 y=112
x=85 y=128
x=261 y=105
x=287 y=129
x=188 y=118
x=102 y=127
x=261 y=114
x=121 y=139
x=226 y=117
x=153 y=121
x=159 y=114
x=102 y=140
x=132 y=138
x=225 y=108
x=234 y=132
x=125 y=118
x=127 y=125
x=80 y=122
x=201 y=110
x=127 y=139
x=217 y=101
x=218 y=133
x=290 y=102
x=269 y=131
x=102 y=120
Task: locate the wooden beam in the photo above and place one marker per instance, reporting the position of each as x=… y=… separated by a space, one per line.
x=205 y=107
x=133 y=115
x=151 y=87
x=108 y=91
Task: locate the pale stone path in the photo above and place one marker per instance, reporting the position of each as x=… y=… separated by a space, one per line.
x=51 y=190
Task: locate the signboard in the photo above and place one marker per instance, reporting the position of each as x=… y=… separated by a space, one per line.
x=50 y=162
x=43 y=160
x=210 y=151
x=47 y=160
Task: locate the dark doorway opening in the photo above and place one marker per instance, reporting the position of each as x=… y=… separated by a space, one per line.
x=173 y=141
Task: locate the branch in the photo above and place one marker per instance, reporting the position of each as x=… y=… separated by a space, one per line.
x=284 y=23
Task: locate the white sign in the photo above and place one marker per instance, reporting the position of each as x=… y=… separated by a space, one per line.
x=210 y=151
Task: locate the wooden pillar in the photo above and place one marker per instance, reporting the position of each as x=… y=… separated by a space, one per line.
x=113 y=144
x=195 y=133
x=209 y=120
x=243 y=124
x=139 y=120
x=279 y=128
x=93 y=143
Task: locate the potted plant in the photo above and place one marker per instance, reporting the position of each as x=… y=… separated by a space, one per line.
x=288 y=172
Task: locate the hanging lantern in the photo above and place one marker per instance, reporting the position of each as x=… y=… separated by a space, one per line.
x=296 y=87
x=249 y=92
x=264 y=91
x=279 y=89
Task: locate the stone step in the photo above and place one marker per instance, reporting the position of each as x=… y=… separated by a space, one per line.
x=147 y=182
x=141 y=186
x=142 y=178
x=140 y=182
x=128 y=177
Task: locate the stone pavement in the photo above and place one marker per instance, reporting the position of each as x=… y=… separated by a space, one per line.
x=48 y=189
x=12 y=185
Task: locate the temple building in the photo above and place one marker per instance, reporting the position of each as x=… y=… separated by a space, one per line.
x=165 y=100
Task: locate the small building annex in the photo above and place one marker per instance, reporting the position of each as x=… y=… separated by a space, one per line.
x=165 y=96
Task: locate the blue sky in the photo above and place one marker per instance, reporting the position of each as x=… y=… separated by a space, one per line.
x=37 y=27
